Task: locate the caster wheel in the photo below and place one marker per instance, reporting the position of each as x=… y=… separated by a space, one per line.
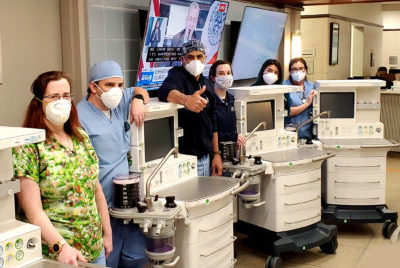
x=273 y=262
x=330 y=247
x=385 y=228
x=388 y=228
x=391 y=227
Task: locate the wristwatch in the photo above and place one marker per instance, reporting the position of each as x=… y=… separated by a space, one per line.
x=139 y=96
x=58 y=246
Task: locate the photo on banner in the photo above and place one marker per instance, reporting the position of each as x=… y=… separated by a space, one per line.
x=170 y=24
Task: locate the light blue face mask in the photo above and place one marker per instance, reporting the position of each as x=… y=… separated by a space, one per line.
x=298 y=76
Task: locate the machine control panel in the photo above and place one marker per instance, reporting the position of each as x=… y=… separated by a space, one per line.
x=334 y=129
x=373 y=130
x=175 y=169
x=19 y=249
x=264 y=141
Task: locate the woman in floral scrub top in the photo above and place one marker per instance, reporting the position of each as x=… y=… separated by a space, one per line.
x=60 y=191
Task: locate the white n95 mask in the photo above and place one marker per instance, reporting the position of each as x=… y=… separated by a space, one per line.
x=57 y=112
x=111 y=98
x=298 y=76
x=224 y=81
x=195 y=67
x=270 y=78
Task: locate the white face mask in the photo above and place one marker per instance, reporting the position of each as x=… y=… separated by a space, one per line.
x=111 y=98
x=224 y=81
x=57 y=112
x=195 y=67
x=298 y=76
x=270 y=78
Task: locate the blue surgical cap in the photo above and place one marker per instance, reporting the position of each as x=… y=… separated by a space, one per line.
x=104 y=70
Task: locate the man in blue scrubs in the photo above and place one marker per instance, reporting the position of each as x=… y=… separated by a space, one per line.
x=103 y=114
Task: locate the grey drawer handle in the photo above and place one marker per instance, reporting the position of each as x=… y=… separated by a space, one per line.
x=340 y=166
x=303 y=183
x=358 y=182
x=353 y=198
x=212 y=253
x=294 y=222
x=293 y=204
x=216 y=227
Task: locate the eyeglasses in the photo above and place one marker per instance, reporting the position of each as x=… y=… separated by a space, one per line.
x=55 y=97
x=301 y=69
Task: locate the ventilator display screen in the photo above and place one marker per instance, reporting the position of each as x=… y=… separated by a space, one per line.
x=260 y=111
x=338 y=104
x=158 y=137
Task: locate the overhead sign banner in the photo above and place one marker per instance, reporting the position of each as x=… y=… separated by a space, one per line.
x=170 y=24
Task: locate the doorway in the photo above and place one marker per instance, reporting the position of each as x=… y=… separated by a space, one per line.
x=357 y=51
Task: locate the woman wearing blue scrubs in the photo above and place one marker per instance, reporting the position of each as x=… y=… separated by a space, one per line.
x=301 y=102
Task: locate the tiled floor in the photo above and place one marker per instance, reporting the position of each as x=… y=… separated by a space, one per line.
x=360 y=245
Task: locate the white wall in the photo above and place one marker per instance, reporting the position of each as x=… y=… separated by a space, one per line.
x=316 y=35
x=391 y=19
x=391 y=16
x=31 y=44
x=391 y=39
x=371 y=12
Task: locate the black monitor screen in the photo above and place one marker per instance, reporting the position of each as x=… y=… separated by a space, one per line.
x=259 y=111
x=339 y=104
x=158 y=137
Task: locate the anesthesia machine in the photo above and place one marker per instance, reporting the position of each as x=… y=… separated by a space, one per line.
x=183 y=215
x=282 y=203
x=354 y=181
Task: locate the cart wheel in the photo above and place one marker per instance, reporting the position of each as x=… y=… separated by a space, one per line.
x=330 y=247
x=385 y=228
x=273 y=262
x=391 y=228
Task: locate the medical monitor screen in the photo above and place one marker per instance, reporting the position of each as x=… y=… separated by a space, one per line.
x=260 y=111
x=259 y=39
x=158 y=137
x=339 y=104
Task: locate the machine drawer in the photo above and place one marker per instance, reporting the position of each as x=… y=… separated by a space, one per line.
x=217 y=237
x=356 y=181
x=280 y=222
x=295 y=183
x=222 y=257
x=344 y=195
x=298 y=201
x=357 y=164
x=207 y=227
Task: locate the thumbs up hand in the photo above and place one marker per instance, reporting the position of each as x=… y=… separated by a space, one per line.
x=196 y=103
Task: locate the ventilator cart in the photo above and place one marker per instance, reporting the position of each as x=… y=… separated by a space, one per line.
x=188 y=219
x=354 y=181
x=282 y=203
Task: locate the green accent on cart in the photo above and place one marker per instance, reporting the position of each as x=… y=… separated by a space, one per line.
x=290 y=164
x=207 y=202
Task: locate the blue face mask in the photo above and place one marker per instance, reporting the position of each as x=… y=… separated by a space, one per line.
x=298 y=76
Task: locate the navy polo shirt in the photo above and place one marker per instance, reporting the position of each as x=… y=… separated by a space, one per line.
x=226 y=118
x=198 y=128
